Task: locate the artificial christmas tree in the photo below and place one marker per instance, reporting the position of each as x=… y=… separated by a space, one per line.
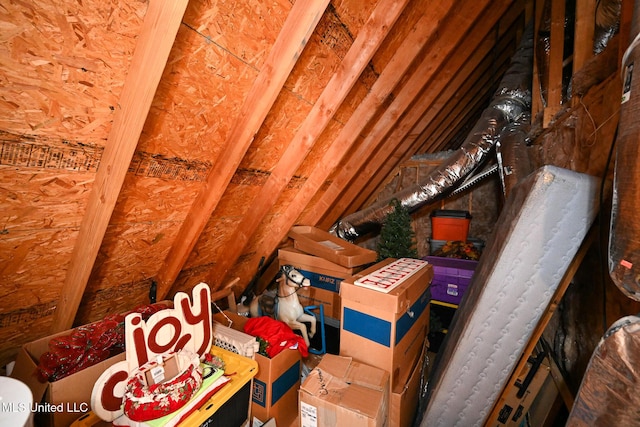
x=396 y=234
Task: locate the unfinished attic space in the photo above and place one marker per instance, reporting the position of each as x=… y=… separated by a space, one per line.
x=313 y=213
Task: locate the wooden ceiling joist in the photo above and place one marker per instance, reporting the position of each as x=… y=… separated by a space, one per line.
x=159 y=30
x=299 y=25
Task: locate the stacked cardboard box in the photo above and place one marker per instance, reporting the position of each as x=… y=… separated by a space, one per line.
x=325 y=260
x=325 y=277
x=61 y=402
x=387 y=328
x=343 y=392
x=275 y=386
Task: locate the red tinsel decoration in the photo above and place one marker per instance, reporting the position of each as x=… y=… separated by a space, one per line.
x=87 y=345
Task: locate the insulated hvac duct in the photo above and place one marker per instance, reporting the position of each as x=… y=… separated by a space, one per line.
x=509 y=103
x=607 y=23
x=624 y=235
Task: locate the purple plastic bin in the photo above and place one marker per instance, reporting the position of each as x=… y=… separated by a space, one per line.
x=451 y=277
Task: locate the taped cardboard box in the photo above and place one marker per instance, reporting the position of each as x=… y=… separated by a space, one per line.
x=387 y=329
x=69 y=398
x=325 y=277
x=318 y=242
x=405 y=397
x=275 y=386
x=61 y=402
x=343 y=392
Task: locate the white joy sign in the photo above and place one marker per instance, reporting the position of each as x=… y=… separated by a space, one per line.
x=186 y=326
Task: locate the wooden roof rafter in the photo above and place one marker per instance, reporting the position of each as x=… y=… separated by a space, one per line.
x=159 y=30
x=413 y=44
x=369 y=39
x=399 y=147
x=299 y=25
x=456 y=92
x=334 y=201
x=437 y=102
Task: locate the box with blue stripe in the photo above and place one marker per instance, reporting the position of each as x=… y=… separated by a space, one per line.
x=325 y=277
x=386 y=329
x=275 y=387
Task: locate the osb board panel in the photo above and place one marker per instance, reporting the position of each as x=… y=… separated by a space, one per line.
x=63 y=65
x=245 y=29
x=96 y=304
x=211 y=67
x=33 y=265
x=162 y=200
x=221 y=227
x=41 y=200
x=200 y=93
x=352 y=13
x=280 y=125
x=409 y=17
x=132 y=252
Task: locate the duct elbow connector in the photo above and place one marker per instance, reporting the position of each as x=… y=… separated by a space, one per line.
x=509 y=103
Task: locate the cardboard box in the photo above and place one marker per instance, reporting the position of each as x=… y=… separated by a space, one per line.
x=405 y=398
x=275 y=386
x=325 y=277
x=69 y=398
x=343 y=392
x=386 y=329
x=66 y=399
x=318 y=242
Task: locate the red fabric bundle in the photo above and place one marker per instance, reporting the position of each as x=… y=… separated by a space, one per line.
x=277 y=334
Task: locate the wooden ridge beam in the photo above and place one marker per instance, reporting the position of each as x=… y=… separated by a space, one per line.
x=159 y=29
x=297 y=29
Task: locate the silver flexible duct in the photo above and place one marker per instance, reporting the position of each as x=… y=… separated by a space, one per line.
x=511 y=100
x=607 y=23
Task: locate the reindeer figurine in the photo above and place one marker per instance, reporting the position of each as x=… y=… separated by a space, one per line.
x=287 y=305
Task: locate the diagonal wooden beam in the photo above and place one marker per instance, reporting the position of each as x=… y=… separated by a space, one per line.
x=298 y=27
x=402 y=143
x=457 y=92
x=369 y=39
x=158 y=33
x=415 y=41
x=449 y=37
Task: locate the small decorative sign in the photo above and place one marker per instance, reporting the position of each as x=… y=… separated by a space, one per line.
x=392 y=275
x=187 y=326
